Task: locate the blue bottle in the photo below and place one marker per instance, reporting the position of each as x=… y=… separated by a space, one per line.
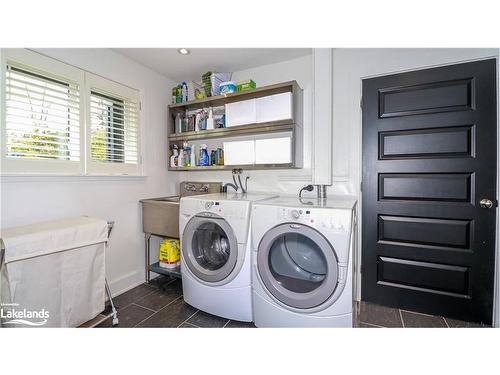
x=204 y=158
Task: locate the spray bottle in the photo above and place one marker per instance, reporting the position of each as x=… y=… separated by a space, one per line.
x=210 y=120
x=175 y=155
x=204 y=158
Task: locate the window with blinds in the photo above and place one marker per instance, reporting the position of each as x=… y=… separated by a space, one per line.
x=113 y=128
x=59 y=119
x=42 y=116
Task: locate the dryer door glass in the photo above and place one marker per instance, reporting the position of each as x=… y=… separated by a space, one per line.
x=297 y=265
x=209 y=248
x=297 y=262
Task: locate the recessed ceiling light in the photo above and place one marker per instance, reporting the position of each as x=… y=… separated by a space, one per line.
x=183 y=51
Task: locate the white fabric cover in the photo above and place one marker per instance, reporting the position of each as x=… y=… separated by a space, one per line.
x=58 y=266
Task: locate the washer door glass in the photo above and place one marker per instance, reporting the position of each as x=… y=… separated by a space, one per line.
x=297 y=265
x=209 y=247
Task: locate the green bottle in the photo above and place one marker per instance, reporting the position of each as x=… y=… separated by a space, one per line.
x=178 y=94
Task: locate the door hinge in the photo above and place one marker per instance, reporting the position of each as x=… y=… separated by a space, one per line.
x=361 y=186
x=361 y=102
x=140 y=106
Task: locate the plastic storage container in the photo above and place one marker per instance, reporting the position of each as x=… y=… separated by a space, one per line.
x=227 y=87
x=246 y=85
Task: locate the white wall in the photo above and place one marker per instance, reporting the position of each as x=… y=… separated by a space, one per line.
x=27 y=200
x=285 y=181
x=350 y=67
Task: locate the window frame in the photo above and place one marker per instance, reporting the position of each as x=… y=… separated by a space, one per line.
x=45 y=66
x=86 y=81
x=105 y=86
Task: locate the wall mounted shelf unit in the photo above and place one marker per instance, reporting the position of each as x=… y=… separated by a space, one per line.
x=289 y=126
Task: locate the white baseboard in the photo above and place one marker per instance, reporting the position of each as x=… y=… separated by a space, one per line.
x=126 y=282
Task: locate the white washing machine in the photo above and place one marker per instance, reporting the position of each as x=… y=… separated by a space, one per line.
x=302 y=262
x=216 y=253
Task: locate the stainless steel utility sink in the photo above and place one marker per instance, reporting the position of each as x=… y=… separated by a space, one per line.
x=175 y=198
x=160 y=216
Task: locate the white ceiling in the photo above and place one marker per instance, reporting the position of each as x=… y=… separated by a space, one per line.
x=168 y=62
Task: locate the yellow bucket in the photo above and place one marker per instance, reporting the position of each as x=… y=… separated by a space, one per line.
x=170 y=253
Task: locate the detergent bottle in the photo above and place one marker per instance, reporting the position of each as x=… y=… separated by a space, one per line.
x=193 y=156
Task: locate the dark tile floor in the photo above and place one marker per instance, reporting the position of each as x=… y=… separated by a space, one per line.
x=369 y=315
x=160 y=305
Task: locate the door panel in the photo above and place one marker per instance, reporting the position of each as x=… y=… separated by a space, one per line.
x=455 y=95
x=439 y=232
x=441 y=187
x=444 y=142
x=433 y=277
x=429 y=157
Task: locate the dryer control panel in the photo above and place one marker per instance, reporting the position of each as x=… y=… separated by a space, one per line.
x=335 y=220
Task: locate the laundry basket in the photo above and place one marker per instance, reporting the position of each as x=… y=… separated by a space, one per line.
x=53 y=273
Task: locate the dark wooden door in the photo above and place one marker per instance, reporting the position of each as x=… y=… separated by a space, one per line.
x=429 y=158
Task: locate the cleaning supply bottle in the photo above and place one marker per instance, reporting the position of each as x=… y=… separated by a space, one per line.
x=193 y=156
x=210 y=120
x=178 y=94
x=184 y=92
x=178 y=123
x=204 y=158
x=213 y=157
x=187 y=154
x=185 y=123
x=197 y=122
x=220 y=156
x=174 y=94
x=175 y=155
x=180 y=159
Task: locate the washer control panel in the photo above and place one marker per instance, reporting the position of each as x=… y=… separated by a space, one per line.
x=224 y=209
x=210 y=206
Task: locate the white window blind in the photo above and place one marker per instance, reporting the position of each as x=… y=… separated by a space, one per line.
x=59 y=119
x=113 y=127
x=42 y=115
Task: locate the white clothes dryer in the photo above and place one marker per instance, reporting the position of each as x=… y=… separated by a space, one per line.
x=302 y=262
